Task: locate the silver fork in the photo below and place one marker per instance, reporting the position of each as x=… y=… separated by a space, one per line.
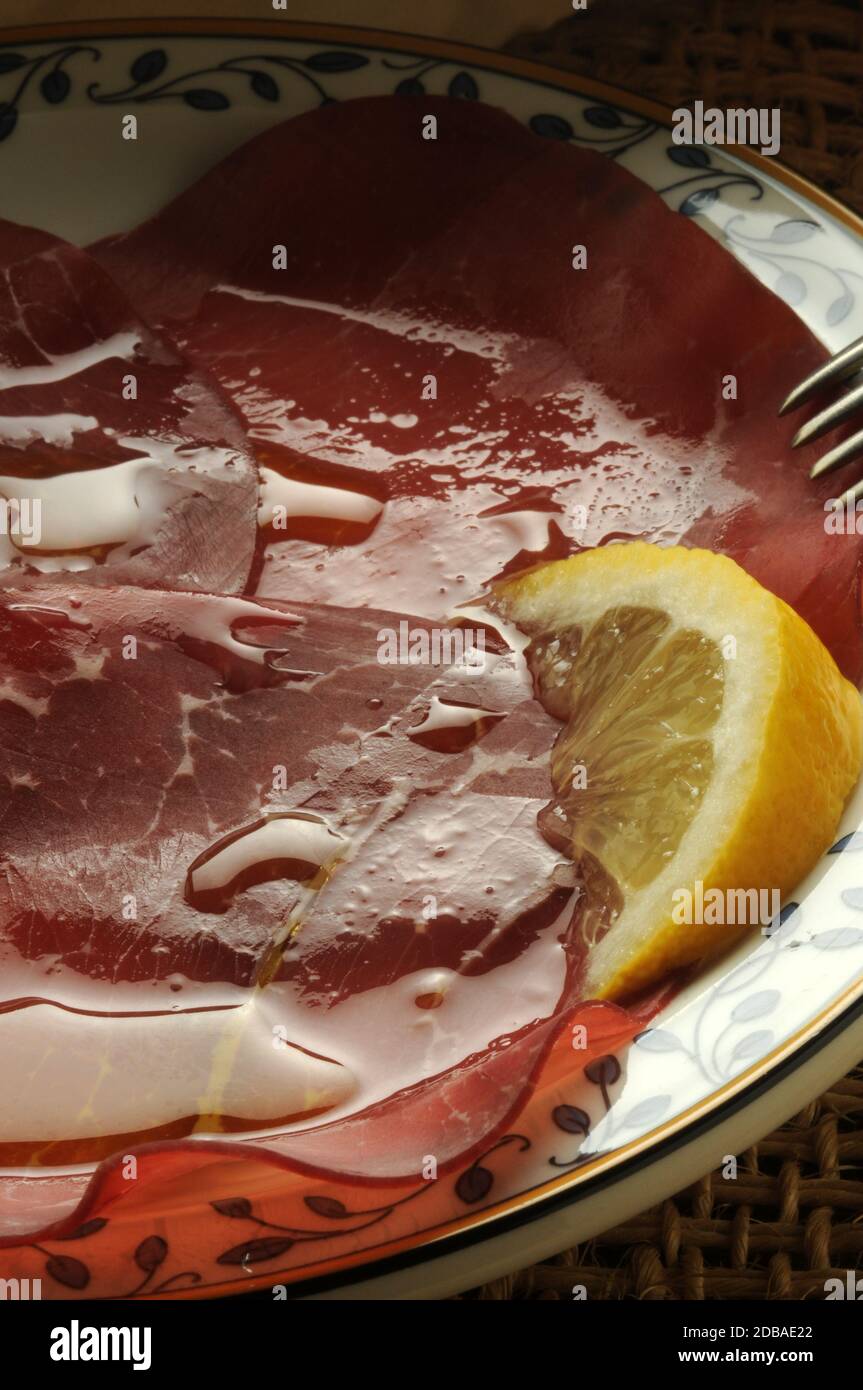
x=845 y=364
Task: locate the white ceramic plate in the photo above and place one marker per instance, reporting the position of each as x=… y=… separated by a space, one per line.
x=757 y=1036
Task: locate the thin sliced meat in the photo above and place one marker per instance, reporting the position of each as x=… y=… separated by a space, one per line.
x=569 y=406
x=451 y=1117
x=361 y=170
x=373 y=1148
x=227 y=821
x=143 y=728
x=137 y=464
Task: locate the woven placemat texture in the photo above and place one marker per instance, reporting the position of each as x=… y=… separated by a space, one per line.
x=804 y=56
x=792 y=1218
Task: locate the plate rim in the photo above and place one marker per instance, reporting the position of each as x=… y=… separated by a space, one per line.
x=806 y=1042
x=494 y=60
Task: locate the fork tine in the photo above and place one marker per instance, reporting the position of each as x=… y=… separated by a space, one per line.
x=843 y=453
x=830 y=417
x=843 y=365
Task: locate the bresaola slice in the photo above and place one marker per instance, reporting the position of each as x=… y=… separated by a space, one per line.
x=145 y=728
x=137 y=464
x=229 y=821
x=230 y=834
x=79 y=1205
x=359 y=169
x=462 y=1111
x=569 y=406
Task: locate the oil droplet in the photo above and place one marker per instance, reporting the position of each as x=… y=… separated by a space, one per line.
x=429 y=1001
x=451 y=726
x=291 y=845
x=295 y=510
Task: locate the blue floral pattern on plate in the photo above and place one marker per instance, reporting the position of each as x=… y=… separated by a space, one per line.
x=768 y=991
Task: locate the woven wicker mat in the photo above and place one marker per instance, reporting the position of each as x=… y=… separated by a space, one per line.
x=794 y=1215
x=804 y=56
x=792 y=1218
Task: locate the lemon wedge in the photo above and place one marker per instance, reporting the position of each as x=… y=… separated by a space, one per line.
x=709 y=743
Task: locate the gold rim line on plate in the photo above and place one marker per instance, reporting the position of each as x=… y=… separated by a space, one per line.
x=492 y=59
x=556 y=78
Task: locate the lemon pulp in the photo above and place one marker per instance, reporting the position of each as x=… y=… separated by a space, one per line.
x=708 y=742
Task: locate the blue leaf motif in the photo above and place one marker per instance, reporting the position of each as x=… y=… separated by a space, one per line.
x=238 y=1208
x=753 y=1045
x=791 y=288
x=838 y=939
x=463 y=85
x=853 y=897
x=604 y=117
x=648 y=1112
x=603 y=1071
x=796 y=229
x=571 y=1119
x=336 y=62
x=72 y=1273
x=205 y=99
x=10 y=61
x=329 y=1207
x=699 y=201
x=474 y=1184
x=756 y=1006
x=690 y=156
x=151 y=1253
x=410 y=87
x=264 y=86
x=55 y=86
x=840 y=309
x=551 y=127
x=657 y=1040
x=851 y=843
x=148 y=66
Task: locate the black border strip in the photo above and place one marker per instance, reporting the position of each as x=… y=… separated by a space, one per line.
x=543 y=1206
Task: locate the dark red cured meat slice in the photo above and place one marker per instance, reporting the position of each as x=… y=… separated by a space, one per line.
x=455 y=1115
x=371 y=1150
x=361 y=170
x=72 y=352
x=123 y=770
x=660 y=335
x=556 y=389
x=221 y=692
